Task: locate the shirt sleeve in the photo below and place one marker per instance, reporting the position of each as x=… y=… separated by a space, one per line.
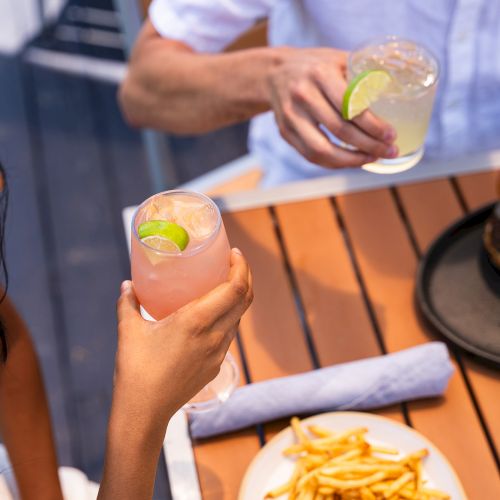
x=206 y=25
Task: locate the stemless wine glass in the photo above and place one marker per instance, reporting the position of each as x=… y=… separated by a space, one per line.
x=164 y=280
x=407 y=102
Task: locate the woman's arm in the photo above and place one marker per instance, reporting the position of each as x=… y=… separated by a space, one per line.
x=24 y=414
x=159 y=367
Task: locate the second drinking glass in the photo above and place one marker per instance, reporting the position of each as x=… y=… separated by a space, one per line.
x=407 y=101
x=166 y=277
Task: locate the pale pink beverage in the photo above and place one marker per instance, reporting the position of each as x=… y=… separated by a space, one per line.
x=165 y=281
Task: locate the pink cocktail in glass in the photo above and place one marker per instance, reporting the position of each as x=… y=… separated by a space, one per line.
x=165 y=280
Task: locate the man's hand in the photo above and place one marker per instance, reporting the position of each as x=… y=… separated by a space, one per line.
x=306 y=90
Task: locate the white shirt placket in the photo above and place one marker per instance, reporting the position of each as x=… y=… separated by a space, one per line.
x=461 y=67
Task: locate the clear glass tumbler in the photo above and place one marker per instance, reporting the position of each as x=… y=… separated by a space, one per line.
x=164 y=281
x=407 y=101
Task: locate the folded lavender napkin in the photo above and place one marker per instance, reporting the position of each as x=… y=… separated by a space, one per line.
x=414 y=373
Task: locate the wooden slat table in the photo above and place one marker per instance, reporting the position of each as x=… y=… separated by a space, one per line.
x=334 y=282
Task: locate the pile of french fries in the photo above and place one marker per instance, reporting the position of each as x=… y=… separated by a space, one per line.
x=344 y=466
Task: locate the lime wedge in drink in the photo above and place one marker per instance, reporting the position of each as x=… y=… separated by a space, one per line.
x=163 y=235
x=362 y=91
x=159 y=243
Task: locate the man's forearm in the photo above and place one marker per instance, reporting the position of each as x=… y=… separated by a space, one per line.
x=172 y=88
x=24 y=414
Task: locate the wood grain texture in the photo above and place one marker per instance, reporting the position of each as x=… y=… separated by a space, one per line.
x=270 y=331
x=485 y=382
x=478 y=189
x=330 y=292
x=430 y=207
x=340 y=325
x=222 y=461
x=244 y=182
x=388 y=264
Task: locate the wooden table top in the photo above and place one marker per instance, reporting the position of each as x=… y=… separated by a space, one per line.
x=334 y=282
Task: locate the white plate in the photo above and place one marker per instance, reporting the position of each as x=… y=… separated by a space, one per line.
x=270 y=468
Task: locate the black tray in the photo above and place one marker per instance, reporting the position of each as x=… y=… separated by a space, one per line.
x=458 y=289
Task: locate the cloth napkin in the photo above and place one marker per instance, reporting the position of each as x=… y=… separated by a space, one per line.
x=414 y=373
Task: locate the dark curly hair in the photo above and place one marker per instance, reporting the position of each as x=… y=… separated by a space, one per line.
x=4 y=201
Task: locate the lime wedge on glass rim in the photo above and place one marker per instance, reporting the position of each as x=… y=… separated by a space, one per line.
x=163 y=235
x=362 y=91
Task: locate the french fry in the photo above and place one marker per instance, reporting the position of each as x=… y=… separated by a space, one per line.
x=410 y=494
x=351 y=484
x=433 y=493
x=306 y=494
x=325 y=490
x=314 y=461
x=381 y=487
x=316 y=448
x=347 y=456
x=295 y=477
x=384 y=450
x=375 y=460
x=366 y=494
x=299 y=432
x=337 y=460
x=300 y=495
x=280 y=490
x=294 y=449
x=418 y=478
x=319 y=431
x=412 y=457
x=339 y=438
x=398 y=484
x=348 y=467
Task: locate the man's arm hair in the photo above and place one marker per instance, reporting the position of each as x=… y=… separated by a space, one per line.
x=171 y=87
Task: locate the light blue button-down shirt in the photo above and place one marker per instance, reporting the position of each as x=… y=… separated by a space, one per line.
x=464 y=35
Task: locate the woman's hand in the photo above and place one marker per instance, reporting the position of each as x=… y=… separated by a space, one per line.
x=161 y=365
x=307 y=90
